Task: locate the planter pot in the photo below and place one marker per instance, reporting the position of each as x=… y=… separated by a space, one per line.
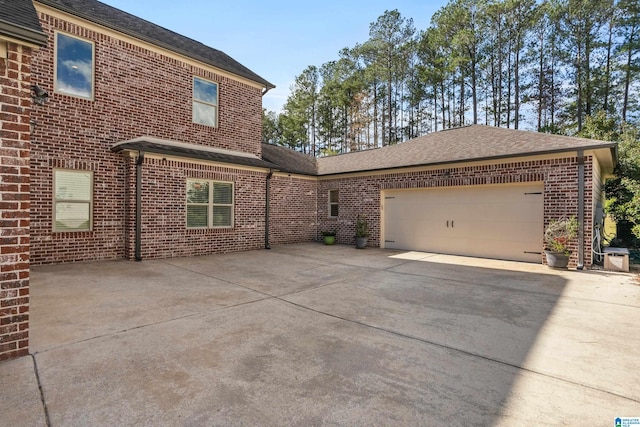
x=557 y=259
x=329 y=240
x=361 y=242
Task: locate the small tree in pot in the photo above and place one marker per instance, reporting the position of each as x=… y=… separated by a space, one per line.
x=557 y=236
x=362 y=232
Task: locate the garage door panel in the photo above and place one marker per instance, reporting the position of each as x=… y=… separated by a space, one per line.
x=502 y=221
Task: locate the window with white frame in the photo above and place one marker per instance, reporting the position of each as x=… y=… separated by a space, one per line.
x=333 y=203
x=74 y=66
x=209 y=204
x=73 y=200
x=205 y=102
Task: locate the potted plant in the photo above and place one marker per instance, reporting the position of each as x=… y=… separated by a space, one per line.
x=362 y=232
x=329 y=237
x=557 y=237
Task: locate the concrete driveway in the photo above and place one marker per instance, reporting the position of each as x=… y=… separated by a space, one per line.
x=325 y=335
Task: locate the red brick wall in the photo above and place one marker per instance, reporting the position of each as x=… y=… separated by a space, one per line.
x=293 y=210
x=361 y=195
x=137 y=92
x=164 y=232
x=15 y=101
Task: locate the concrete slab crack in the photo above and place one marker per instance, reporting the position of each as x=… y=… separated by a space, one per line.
x=42 y=399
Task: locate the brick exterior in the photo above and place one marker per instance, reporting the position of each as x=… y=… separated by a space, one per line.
x=15 y=101
x=141 y=92
x=164 y=232
x=136 y=92
x=293 y=216
x=361 y=195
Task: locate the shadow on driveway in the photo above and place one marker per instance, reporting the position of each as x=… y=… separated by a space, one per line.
x=310 y=334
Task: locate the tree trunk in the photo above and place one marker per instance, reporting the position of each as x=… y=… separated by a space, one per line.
x=540 y=80
x=627 y=78
x=516 y=88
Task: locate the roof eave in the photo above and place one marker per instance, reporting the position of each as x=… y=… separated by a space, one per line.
x=23 y=34
x=612 y=146
x=152 y=41
x=202 y=155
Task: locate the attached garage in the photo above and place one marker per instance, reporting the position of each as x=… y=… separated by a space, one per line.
x=490 y=221
x=476 y=191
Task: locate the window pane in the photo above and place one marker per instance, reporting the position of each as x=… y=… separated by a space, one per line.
x=197 y=192
x=72 y=216
x=205 y=91
x=197 y=216
x=74 y=66
x=334 y=210
x=333 y=196
x=222 y=216
x=73 y=185
x=222 y=193
x=204 y=114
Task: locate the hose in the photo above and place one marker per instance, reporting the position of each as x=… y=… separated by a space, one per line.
x=596 y=244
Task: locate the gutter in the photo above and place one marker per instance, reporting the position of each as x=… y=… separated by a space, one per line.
x=267 y=209
x=22 y=33
x=612 y=146
x=580 y=209
x=138 y=244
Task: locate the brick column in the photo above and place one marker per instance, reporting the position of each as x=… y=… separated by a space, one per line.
x=15 y=109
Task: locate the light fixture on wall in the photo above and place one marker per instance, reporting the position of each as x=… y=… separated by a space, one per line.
x=39 y=95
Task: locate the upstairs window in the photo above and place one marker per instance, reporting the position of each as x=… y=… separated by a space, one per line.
x=205 y=102
x=209 y=204
x=74 y=66
x=333 y=203
x=73 y=200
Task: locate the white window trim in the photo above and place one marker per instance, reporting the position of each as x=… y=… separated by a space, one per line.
x=215 y=106
x=210 y=205
x=56 y=201
x=55 y=66
x=330 y=203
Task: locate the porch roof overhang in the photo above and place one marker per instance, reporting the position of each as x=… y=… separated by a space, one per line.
x=148 y=144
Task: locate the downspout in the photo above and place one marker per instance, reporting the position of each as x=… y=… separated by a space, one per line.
x=581 y=209
x=138 y=249
x=267 y=209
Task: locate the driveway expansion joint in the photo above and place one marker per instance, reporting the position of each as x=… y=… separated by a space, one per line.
x=459 y=350
x=42 y=399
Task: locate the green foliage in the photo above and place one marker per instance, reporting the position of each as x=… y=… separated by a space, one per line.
x=560 y=233
x=271 y=132
x=362 y=226
x=548 y=65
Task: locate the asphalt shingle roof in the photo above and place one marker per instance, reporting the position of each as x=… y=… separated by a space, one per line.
x=289 y=160
x=149 y=144
x=469 y=143
x=464 y=144
x=134 y=26
x=18 y=18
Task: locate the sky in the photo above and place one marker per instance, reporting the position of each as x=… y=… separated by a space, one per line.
x=277 y=39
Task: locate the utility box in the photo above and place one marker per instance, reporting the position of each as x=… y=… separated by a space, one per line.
x=616 y=259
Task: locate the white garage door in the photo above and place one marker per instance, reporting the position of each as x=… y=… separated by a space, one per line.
x=492 y=221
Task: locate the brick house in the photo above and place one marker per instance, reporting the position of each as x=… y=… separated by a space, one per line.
x=121 y=139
